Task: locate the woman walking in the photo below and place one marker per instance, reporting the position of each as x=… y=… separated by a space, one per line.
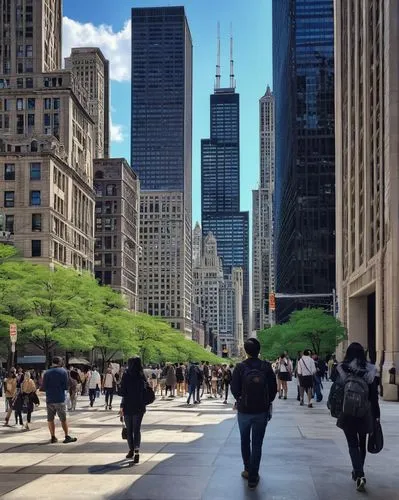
x=171 y=380
x=362 y=377
x=133 y=405
x=109 y=385
x=284 y=375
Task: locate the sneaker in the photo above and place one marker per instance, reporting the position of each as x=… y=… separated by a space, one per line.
x=285 y=397
x=130 y=454
x=53 y=440
x=27 y=427
x=244 y=474
x=110 y=407
x=354 y=476
x=280 y=396
x=225 y=402
x=361 y=484
x=136 y=459
x=69 y=439
x=253 y=483
x=310 y=405
x=301 y=403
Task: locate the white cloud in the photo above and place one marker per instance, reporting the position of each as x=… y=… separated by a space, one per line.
x=116 y=132
x=114 y=45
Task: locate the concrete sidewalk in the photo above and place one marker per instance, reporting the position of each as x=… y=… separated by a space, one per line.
x=193 y=453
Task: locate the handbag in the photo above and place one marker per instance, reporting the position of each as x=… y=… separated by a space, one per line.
x=124 y=432
x=149 y=394
x=376 y=438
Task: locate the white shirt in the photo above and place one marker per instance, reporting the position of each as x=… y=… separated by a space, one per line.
x=95 y=380
x=306 y=366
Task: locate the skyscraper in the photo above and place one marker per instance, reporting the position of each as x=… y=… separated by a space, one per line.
x=303 y=74
x=367 y=125
x=262 y=219
x=220 y=180
x=92 y=70
x=161 y=155
x=46 y=140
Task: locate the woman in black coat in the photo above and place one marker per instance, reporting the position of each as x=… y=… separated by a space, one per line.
x=356 y=429
x=133 y=406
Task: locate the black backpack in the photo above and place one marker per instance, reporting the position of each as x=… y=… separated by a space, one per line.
x=255 y=389
x=335 y=401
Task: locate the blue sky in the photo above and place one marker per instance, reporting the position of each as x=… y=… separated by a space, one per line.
x=105 y=23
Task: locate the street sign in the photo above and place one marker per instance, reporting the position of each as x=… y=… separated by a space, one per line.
x=13 y=333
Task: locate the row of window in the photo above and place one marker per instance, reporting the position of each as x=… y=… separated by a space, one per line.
x=36 y=223
x=34 y=168
x=34 y=199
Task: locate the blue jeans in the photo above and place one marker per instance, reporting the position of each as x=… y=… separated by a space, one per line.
x=317 y=388
x=255 y=422
x=191 y=392
x=133 y=428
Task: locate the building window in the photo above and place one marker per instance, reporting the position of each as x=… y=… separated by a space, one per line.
x=107 y=242
x=29 y=51
x=36 y=222
x=36 y=248
x=99 y=223
x=56 y=103
x=20 y=83
x=31 y=103
x=31 y=121
x=35 y=172
x=108 y=259
x=9 y=172
x=29 y=83
x=107 y=278
x=20 y=124
x=10 y=224
x=9 y=199
x=35 y=198
x=47 y=104
x=110 y=190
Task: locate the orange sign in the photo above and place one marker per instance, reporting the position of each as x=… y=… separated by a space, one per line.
x=13 y=332
x=272 y=301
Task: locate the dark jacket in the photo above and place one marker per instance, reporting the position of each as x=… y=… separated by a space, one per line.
x=132 y=392
x=253 y=364
x=30 y=397
x=193 y=375
x=361 y=425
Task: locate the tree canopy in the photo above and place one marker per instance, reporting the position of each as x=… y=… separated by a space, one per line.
x=62 y=308
x=309 y=328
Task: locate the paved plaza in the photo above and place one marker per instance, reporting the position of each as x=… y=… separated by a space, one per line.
x=193 y=453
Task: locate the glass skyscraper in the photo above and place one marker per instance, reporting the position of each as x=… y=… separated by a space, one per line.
x=220 y=195
x=162 y=157
x=303 y=66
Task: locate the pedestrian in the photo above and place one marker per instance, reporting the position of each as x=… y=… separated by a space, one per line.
x=94 y=384
x=200 y=381
x=306 y=372
x=318 y=377
x=214 y=382
x=74 y=382
x=254 y=387
x=298 y=388
x=133 y=406
x=357 y=379
x=180 y=380
x=109 y=385
x=192 y=376
x=227 y=378
x=10 y=392
x=55 y=384
x=171 y=380
x=26 y=400
x=284 y=374
x=207 y=377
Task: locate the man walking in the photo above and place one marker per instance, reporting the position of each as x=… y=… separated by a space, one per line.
x=55 y=383
x=254 y=387
x=94 y=385
x=192 y=379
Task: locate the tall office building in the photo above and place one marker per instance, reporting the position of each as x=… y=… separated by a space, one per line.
x=161 y=155
x=367 y=182
x=303 y=74
x=46 y=140
x=262 y=219
x=220 y=179
x=117 y=227
x=91 y=68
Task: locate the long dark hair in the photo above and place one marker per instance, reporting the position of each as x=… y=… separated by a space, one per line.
x=356 y=352
x=134 y=366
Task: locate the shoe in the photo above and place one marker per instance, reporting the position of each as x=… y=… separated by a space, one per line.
x=279 y=396
x=136 y=459
x=253 y=483
x=196 y=402
x=130 y=454
x=285 y=397
x=301 y=403
x=6 y=424
x=354 y=476
x=310 y=405
x=361 y=484
x=245 y=474
x=53 y=440
x=27 y=427
x=69 y=439
x=110 y=407
x=91 y=404
x=225 y=402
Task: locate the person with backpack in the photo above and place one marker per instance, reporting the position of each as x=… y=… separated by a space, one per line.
x=180 y=379
x=227 y=378
x=254 y=387
x=25 y=401
x=306 y=370
x=353 y=400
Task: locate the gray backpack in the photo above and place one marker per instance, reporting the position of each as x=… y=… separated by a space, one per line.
x=356 y=397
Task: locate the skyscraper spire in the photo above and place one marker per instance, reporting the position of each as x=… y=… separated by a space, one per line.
x=232 y=79
x=217 y=81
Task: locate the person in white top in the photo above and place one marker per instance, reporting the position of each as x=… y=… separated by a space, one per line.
x=109 y=385
x=284 y=374
x=94 y=385
x=306 y=370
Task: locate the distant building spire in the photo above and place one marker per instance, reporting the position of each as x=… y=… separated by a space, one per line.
x=232 y=79
x=217 y=81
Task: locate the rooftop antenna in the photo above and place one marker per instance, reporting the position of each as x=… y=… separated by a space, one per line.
x=232 y=79
x=217 y=81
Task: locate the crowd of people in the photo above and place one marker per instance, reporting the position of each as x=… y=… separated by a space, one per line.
x=254 y=384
